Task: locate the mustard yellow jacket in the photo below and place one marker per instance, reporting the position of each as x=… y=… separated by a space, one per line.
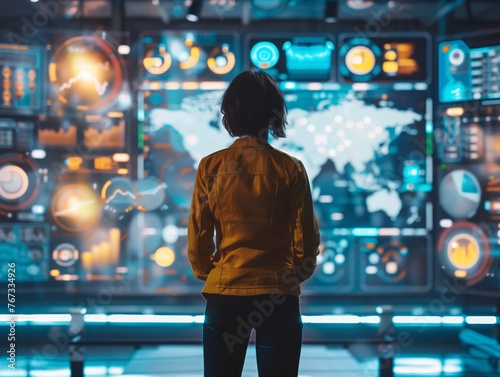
x=258 y=201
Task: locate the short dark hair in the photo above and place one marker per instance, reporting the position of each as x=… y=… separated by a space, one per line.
x=253 y=104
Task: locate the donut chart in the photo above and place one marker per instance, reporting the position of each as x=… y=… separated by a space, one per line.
x=460 y=194
x=264 y=55
x=360 y=60
x=65 y=255
x=390 y=259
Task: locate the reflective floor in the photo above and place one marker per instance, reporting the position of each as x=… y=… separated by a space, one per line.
x=186 y=361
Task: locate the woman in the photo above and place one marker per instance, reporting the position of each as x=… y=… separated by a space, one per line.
x=258 y=201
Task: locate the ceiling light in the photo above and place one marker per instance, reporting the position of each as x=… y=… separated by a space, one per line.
x=330 y=12
x=359 y=4
x=194 y=11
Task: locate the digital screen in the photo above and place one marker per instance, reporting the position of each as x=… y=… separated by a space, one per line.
x=293 y=58
x=88 y=199
x=189 y=56
x=468 y=186
x=384 y=59
x=382 y=193
x=87 y=78
x=467 y=73
x=21 y=80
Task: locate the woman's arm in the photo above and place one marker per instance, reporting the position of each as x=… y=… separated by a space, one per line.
x=305 y=237
x=201 y=229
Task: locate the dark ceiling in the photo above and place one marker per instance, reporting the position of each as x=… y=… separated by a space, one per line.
x=426 y=11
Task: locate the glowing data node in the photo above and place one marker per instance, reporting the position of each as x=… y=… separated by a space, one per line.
x=164 y=257
x=75 y=208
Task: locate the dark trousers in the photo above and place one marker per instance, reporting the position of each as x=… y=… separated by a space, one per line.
x=226 y=331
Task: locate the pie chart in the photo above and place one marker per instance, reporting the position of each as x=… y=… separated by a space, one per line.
x=14 y=182
x=19 y=182
x=460 y=194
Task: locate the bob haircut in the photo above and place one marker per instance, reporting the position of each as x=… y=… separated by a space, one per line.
x=254 y=105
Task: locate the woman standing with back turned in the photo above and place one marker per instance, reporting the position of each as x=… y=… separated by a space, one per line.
x=258 y=201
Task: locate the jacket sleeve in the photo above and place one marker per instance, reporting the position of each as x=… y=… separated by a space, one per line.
x=305 y=232
x=201 y=229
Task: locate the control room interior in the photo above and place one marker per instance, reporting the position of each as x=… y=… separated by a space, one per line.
x=108 y=106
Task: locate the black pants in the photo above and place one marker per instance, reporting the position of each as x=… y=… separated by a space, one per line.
x=226 y=331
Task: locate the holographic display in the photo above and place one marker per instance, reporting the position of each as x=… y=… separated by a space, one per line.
x=386 y=59
x=467 y=73
x=189 y=56
x=86 y=74
x=28 y=246
x=301 y=58
x=367 y=156
x=468 y=241
x=21 y=81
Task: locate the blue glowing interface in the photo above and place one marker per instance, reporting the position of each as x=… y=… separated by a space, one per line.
x=293 y=58
x=466 y=73
x=468 y=189
x=367 y=155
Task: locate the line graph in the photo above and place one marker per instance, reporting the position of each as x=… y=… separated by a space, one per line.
x=120 y=192
x=100 y=88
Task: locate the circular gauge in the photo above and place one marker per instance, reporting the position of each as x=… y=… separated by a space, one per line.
x=75 y=208
x=150 y=194
x=221 y=61
x=86 y=74
x=19 y=182
x=464 y=252
x=264 y=55
x=332 y=261
x=460 y=194
x=14 y=182
x=118 y=194
x=456 y=57
x=164 y=257
x=360 y=60
x=390 y=261
x=65 y=255
x=158 y=61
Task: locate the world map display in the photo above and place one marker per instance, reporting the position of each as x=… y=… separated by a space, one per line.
x=364 y=151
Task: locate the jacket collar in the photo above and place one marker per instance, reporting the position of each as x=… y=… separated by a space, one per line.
x=248 y=141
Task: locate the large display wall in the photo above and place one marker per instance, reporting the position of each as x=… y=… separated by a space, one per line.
x=97 y=167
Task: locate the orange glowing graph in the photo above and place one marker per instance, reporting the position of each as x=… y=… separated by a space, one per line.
x=463 y=251
x=60 y=137
x=113 y=137
x=401 y=61
x=103 y=254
